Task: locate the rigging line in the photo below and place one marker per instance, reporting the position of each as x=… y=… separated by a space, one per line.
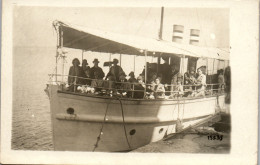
x=143 y=20
x=124 y=122
x=98 y=138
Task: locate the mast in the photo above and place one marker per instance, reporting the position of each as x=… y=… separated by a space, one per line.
x=161 y=25
x=160 y=37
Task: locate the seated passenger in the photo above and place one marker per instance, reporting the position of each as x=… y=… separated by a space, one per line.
x=97 y=82
x=75 y=73
x=125 y=87
x=159 y=90
x=132 y=78
x=139 y=88
x=178 y=90
x=109 y=85
x=115 y=70
x=175 y=77
x=96 y=68
x=201 y=84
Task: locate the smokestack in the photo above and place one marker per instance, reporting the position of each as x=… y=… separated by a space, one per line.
x=177 y=33
x=194 y=36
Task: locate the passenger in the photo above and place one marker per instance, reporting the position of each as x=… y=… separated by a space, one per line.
x=96 y=68
x=86 y=70
x=109 y=85
x=152 y=81
x=201 y=82
x=125 y=87
x=149 y=71
x=97 y=82
x=115 y=70
x=139 y=88
x=175 y=76
x=159 y=90
x=166 y=75
x=221 y=81
x=75 y=73
x=132 y=78
x=178 y=90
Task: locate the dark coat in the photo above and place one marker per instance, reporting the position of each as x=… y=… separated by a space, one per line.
x=96 y=69
x=75 y=71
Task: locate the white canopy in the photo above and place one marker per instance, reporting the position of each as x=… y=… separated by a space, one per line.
x=88 y=39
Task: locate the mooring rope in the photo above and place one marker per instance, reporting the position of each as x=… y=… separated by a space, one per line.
x=98 y=138
x=124 y=122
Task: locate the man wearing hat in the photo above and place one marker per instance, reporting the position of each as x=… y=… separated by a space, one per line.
x=96 y=69
x=115 y=70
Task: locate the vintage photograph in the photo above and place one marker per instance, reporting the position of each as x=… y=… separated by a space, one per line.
x=86 y=82
x=121 y=79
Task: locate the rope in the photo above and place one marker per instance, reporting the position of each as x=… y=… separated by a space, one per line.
x=98 y=138
x=124 y=122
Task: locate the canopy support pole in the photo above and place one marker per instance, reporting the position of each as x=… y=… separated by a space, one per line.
x=183 y=62
x=82 y=55
x=158 y=63
x=120 y=59
x=109 y=60
x=62 y=56
x=145 y=53
x=134 y=63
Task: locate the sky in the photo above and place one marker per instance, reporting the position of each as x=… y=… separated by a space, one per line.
x=34 y=39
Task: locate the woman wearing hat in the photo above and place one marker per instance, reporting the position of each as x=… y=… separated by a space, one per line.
x=75 y=73
x=97 y=69
x=86 y=70
x=115 y=70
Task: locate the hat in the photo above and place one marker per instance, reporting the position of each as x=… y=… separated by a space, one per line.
x=131 y=74
x=95 y=60
x=75 y=59
x=85 y=61
x=115 y=60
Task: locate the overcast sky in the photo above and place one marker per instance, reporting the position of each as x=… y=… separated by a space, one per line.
x=33 y=25
x=35 y=38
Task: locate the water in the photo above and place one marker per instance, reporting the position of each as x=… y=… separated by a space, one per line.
x=31 y=119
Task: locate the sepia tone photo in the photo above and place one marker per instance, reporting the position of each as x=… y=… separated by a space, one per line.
x=123 y=80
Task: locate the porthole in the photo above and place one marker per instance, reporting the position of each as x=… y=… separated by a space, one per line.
x=132 y=132
x=161 y=130
x=70 y=111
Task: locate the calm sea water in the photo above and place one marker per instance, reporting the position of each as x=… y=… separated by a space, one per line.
x=31 y=119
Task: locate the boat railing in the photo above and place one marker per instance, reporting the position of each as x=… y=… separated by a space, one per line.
x=127 y=89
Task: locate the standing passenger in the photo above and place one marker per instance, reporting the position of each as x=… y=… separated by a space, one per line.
x=115 y=70
x=201 y=82
x=86 y=70
x=75 y=73
x=96 y=68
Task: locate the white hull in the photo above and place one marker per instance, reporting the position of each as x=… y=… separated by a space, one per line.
x=151 y=120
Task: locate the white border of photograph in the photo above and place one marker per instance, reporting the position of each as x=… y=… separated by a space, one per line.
x=244 y=41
